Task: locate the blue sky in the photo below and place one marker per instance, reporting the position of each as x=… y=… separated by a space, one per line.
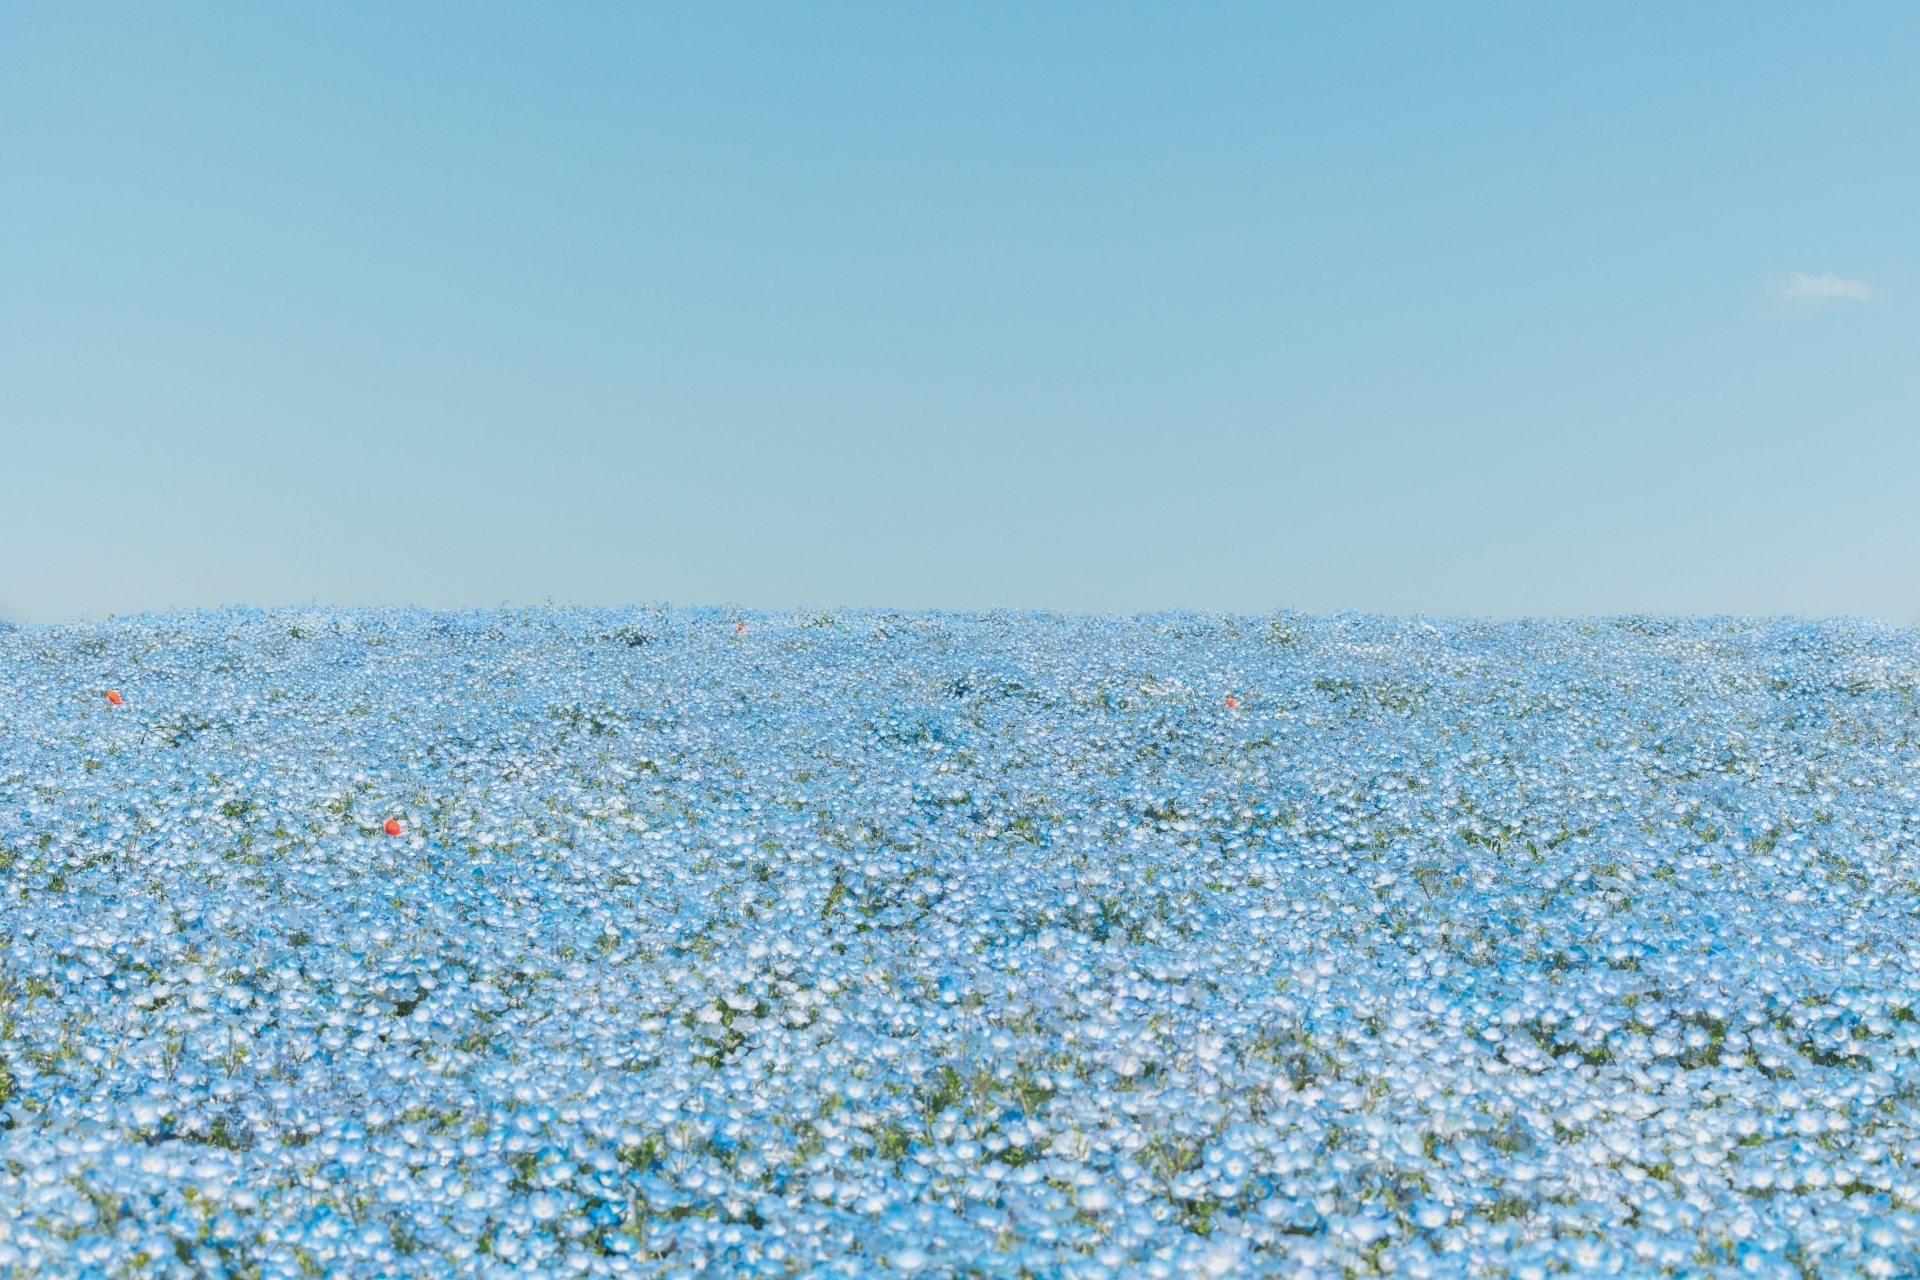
x=1487 y=310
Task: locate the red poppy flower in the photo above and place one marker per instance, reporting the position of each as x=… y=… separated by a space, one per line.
x=393 y=827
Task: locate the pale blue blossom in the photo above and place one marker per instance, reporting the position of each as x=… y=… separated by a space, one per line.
x=920 y=944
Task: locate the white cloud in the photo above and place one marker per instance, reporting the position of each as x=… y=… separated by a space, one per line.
x=1802 y=292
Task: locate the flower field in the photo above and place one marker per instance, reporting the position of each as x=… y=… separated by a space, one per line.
x=995 y=945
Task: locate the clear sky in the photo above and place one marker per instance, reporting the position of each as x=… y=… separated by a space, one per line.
x=1525 y=310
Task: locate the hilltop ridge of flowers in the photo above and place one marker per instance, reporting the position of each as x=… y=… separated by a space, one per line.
x=721 y=943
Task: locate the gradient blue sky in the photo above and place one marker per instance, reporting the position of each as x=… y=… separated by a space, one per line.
x=1493 y=310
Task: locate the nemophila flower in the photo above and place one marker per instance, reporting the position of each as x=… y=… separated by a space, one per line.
x=943 y=945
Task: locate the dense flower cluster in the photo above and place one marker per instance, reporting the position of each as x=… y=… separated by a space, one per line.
x=957 y=945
